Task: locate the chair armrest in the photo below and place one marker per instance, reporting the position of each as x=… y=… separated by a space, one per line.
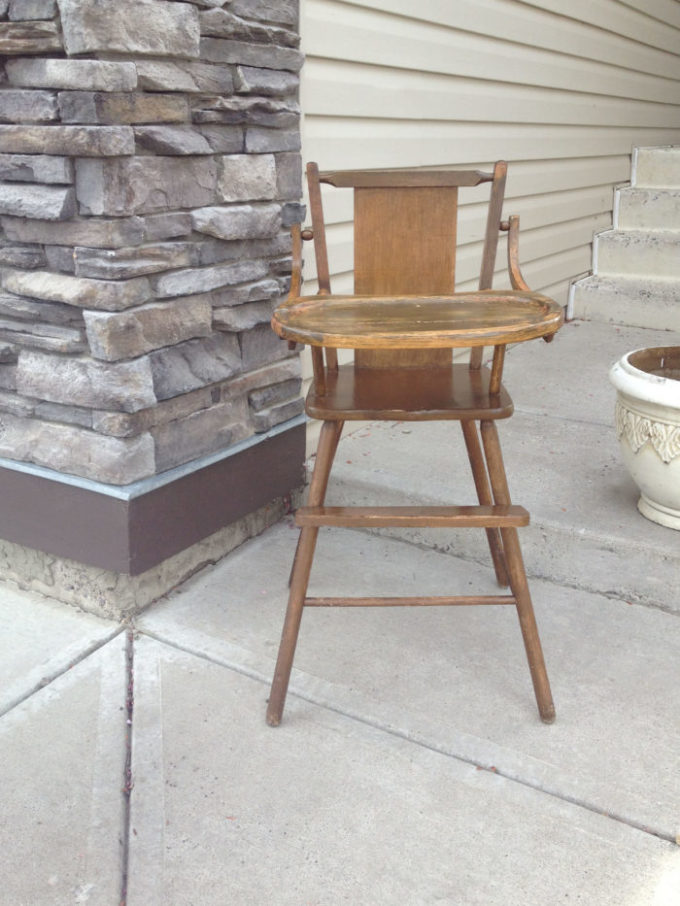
x=516 y=278
x=296 y=274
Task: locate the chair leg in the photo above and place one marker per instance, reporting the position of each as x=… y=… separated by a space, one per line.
x=302 y=566
x=517 y=576
x=479 y=473
x=338 y=428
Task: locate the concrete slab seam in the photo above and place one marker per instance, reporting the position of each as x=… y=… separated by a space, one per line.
x=127 y=778
x=61 y=670
x=97 y=838
x=146 y=853
x=319 y=700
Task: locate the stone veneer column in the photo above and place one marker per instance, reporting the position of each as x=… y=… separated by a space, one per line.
x=150 y=169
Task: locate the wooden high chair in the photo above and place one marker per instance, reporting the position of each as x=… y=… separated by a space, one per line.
x=403 y=321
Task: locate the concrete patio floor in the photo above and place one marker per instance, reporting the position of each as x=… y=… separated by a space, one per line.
x=411 y=766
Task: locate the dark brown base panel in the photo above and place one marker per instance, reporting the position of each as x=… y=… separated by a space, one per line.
x=133 y=535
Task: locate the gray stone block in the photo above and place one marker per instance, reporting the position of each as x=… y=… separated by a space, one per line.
x=273 y=394
x=8 y=376
x=70 y=415
x=116 y=264
x=200 y=434
x=270 y=112
x=124 y=424
x=293 y=213
x=22 y=256
x=78 y=141
x=4 y=6
x=97 y=75
x=121 y=386
x=260 y=140
x=22 y=10
x=266 y=419
x=18 y=38
x=27 y=106
x=221 y=23
x=224 y=139
x=265 y=56
x=96 y=233
x=200 y=280
x=250 y=292
x=260 y=346
x=105 y=295
x=282 y=12
x=29 y=310
x=36 y=168
x=146 y=27
x=77 y=451
x=194 y=364
x=37 y=201
x=157 y=75
x=267 y=82
x=238 y=221
x=167 y=226
x=8 y=353
x=242 y=317
x=60 y=259
x=171 y=140
x=121 y=108
x=16 y=405
x=288 y=175
x=132 y=333
x=51 y=337
x=246 y=177
x=144 y=185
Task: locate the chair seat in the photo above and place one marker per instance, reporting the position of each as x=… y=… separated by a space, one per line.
x=408 y=394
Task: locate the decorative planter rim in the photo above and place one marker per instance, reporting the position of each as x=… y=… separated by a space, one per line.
x=639 y=384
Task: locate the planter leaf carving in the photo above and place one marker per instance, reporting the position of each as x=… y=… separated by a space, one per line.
x=638 y=430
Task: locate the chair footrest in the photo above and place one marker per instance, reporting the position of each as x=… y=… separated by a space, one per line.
x=414 y=516
x=471 y=600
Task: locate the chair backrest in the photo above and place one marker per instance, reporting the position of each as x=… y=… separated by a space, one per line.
x=405 y=224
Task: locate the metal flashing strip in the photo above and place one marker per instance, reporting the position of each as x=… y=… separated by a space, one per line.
x=145 y=485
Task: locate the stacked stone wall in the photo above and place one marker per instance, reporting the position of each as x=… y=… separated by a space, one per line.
x=149 y=174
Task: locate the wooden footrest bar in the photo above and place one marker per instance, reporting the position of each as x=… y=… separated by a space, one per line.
x=414 y=516
x=410 y=602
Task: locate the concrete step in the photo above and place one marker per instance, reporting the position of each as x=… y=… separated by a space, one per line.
x=648 y=209
x=657 y=166
x=635 y=252
x=565 y=468
x=636 y=301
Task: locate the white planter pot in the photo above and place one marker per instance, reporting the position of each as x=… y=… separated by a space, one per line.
x=648 y=428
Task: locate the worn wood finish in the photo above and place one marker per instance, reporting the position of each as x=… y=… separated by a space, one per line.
x=403 y=321
x=408 y=394
x=441 y=601
x=392 y=262
x=337 y=427
x=481 y=479
x=413 y=517
x=493 y=220
x=399 y=179
x=517 y=577
x=299 y=581
x=482 y=318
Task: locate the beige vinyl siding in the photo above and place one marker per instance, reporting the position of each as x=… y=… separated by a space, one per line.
x=561 y=89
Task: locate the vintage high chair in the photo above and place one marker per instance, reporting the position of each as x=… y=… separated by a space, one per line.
x=403 y=321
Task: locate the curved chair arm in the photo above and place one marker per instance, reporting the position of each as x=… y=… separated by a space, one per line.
x=516 y=278
x=296 y=274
